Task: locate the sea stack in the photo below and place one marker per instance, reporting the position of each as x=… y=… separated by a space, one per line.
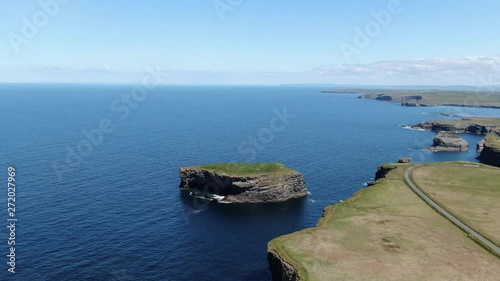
x=447 y=141
x=243 y=182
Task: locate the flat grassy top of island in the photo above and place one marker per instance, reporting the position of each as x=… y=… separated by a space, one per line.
x=493 y=139
x=246 y=168
x=471 y=194
x=386 y=232
x=449 y=135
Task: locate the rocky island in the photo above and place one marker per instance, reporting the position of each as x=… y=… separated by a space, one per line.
x=243 y=182
x=448 y=141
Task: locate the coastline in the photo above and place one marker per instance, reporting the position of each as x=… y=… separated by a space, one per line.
x=327 y=245
x=429 y=98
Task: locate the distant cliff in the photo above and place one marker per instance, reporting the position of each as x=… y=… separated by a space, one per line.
x=243 y=183
x=477 y=126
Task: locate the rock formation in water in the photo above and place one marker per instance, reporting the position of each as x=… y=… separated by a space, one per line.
x=227 y=187
x=480 y=145
x=404 y=160
x=446 y=141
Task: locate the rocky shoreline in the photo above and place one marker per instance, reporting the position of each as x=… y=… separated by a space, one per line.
x=476 y=126
x=489 y=147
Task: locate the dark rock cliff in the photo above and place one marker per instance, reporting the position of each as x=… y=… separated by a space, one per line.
x=383 y=170
x=261 y=188
x=280 y=269
x=490 y=153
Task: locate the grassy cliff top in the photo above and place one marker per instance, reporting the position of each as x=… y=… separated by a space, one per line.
x=448 y=135
x=387 y=230
x=482 y=121
x=469 y=193
x=493 y=138
x=245 y=168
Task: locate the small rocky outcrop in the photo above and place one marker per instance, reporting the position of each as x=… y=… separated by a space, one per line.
x=480 y=145
x=383 y=170
x=490 y=153
x=446 y=141
x=253 y=188
x=404 y=160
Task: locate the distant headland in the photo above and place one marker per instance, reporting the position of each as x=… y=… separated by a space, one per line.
x=428 y=97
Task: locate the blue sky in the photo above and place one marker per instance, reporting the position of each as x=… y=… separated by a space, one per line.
x=251 y=41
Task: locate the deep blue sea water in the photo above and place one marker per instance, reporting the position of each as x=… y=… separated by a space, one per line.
x=118 y=214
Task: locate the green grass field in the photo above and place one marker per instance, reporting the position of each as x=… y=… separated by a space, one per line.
x=245 y=168
x=386 y=232
x=471 y=194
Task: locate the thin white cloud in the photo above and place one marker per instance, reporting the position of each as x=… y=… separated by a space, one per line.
x=468 y=70
x=433 y=71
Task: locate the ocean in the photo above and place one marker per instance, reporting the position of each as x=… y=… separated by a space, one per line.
x=97 y=185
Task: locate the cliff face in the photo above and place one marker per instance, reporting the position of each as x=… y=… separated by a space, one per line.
x=383 y=170
x=259 y=188
x=490 y=153
x=280 y=269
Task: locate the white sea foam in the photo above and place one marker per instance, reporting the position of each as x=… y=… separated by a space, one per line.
x=206 y=196
x=408 y=127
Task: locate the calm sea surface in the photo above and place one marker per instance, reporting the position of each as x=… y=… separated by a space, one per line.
x=116 y=213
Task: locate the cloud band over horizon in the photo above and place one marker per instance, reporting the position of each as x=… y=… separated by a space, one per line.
x=433 y=71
